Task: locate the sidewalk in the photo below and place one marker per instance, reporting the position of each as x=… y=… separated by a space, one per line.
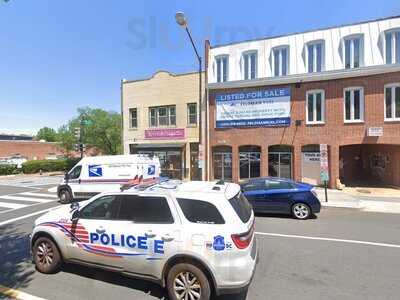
x=337 y=198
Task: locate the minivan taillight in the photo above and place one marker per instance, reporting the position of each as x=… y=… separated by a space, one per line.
x=243 y=240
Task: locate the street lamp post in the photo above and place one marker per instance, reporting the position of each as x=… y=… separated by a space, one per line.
x=181 y=21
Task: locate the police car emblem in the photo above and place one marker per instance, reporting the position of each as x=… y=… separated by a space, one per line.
x=219 y=243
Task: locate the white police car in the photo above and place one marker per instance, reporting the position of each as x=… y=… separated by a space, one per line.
x=193 y=238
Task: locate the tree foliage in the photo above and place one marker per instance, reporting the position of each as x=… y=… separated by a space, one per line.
x=46 y=133
x=102 y=131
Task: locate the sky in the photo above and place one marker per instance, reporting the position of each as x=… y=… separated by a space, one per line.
x=56 y=56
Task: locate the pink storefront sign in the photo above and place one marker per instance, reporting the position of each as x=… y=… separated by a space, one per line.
x=166 y=133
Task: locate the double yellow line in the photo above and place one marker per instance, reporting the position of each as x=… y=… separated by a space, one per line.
x=15 y=294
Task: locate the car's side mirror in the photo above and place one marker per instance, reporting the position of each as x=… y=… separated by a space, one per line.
x=75 y=215
x=74 y=206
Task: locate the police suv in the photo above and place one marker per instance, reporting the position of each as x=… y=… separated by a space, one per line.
x=194 y=238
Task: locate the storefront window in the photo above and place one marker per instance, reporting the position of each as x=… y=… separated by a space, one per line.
x=222 y=163
x=280 y=161
x=170 y=161
x=250 y=161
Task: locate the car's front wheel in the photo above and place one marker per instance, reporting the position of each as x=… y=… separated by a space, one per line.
x=301 y=211
x=186 y=281
x=46 y=256
x=65 y=196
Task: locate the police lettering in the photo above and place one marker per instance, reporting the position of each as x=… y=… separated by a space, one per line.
x=129 y=241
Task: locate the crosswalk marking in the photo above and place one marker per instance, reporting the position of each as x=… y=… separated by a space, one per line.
x=16 y=201
x=16 y=198
x=12 y=205
x=39 y=195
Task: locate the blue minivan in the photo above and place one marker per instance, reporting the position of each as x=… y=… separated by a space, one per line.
x=281 y=196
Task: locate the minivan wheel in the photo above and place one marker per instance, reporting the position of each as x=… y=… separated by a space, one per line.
x=186 y=281
x=46 y=256
x=65 y=196
x=301 y=211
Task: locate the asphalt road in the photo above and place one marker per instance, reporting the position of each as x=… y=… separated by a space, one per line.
x=290 y=267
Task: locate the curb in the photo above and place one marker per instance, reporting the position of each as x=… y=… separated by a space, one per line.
x=367 y=206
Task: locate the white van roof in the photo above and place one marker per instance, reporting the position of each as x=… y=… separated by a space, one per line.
x=132 y=158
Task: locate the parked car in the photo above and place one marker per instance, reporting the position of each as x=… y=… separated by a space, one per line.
x=281 y=196
x=192 y=238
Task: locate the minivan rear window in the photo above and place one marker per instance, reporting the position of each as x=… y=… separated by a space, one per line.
x=242 y=207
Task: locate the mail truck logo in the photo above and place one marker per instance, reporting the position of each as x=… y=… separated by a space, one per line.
x=151 y=170
x=95 y=171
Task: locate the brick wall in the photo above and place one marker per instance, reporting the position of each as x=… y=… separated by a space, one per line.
x=29 y=149
x=334 y=132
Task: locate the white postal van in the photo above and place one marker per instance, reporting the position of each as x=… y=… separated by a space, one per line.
x=97 y=174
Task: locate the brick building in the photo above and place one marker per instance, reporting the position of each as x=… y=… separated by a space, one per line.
x=29 y=149
x=273 y=101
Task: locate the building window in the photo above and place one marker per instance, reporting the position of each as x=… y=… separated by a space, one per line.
x=280 y=62
x=353 y=49
x=315 y=111
x=192 y=113
x=162 y=116
x=315 y=56
x=392 y=102
x=392 y=46
x=222 y=68
x=133 y=118
x=354 y=104
x=250 y=65
x=249 y=161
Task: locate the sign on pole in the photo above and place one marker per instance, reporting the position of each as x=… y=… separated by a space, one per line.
x=323 y=149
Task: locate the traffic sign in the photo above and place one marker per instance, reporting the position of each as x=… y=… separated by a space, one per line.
x=86 y=122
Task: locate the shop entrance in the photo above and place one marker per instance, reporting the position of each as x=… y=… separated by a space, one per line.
x=372 y=165
x=171 y=160
x=280 y=161
x=194 y=162
x=311 y=164
x=222 y=163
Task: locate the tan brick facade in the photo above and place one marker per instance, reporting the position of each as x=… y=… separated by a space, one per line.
x=161 y=90
x=334 y=132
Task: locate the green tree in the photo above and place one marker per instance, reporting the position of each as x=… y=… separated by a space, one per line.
x=46 y=133
x=99 y=128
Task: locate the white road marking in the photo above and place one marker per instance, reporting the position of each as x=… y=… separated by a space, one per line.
x=52 y=190
x=16 y=198
x=28 y=215
x=329 y=239
x=12 y=205
x=38 y=194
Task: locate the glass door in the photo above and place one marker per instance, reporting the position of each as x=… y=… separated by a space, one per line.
x=250 y=164
x=280 y=164
x=222 y=162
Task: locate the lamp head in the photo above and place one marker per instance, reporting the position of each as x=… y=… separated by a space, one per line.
x=180 y=19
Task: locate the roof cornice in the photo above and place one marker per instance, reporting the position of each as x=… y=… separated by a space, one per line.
x=306 y=77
